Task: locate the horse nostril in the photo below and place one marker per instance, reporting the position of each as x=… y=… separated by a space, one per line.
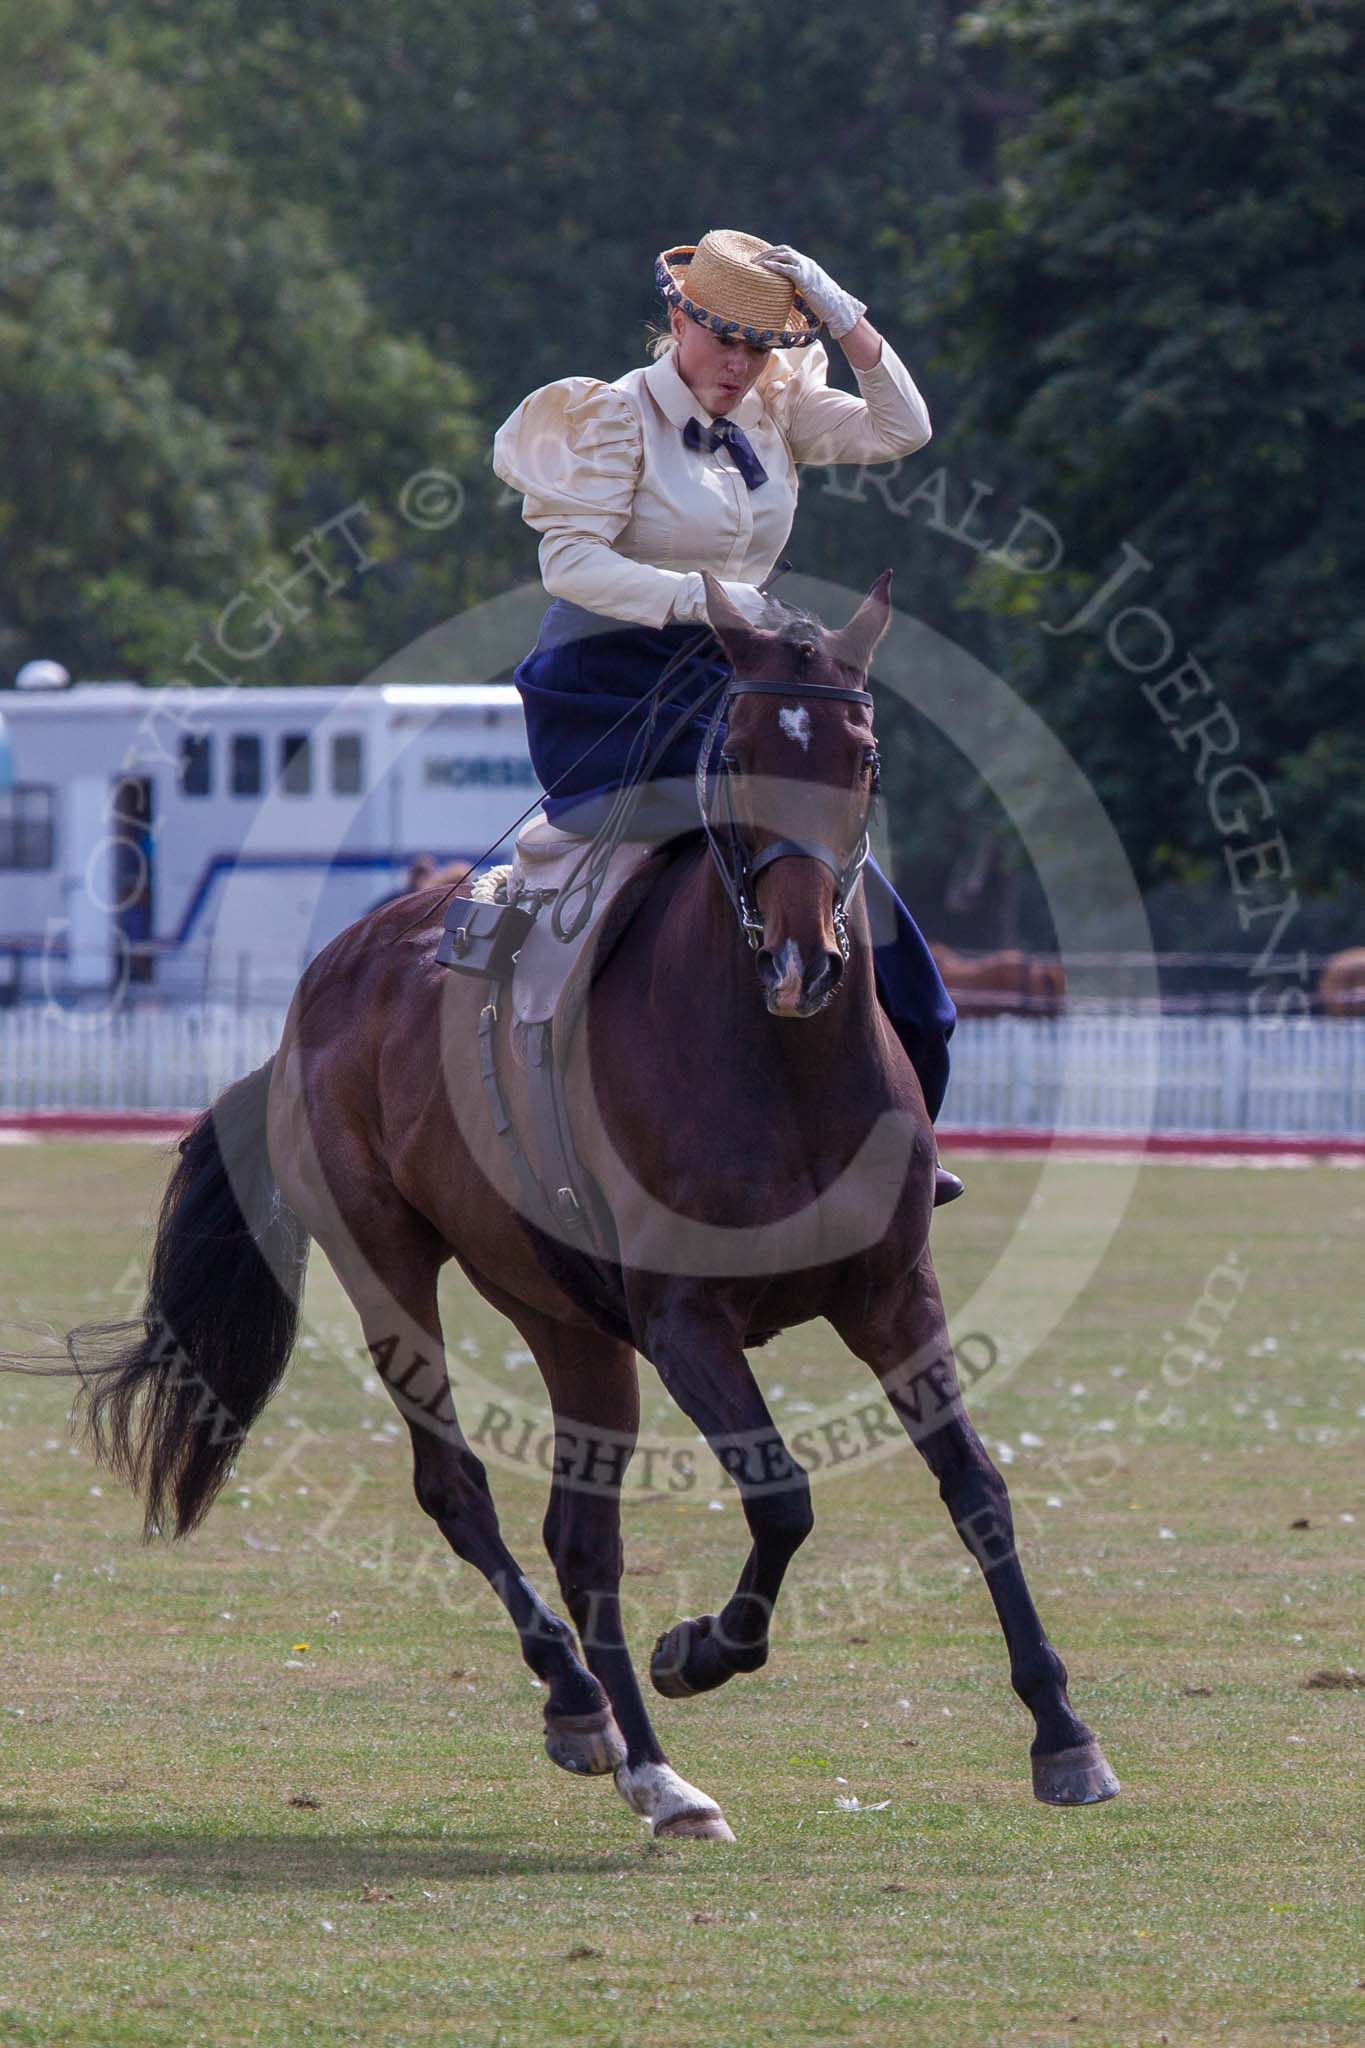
x=823 y=978
x=780 y=976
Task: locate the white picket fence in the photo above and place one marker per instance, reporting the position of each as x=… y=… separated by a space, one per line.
x=1186 y=1075
x=138 y=1058
x=1086 y=1072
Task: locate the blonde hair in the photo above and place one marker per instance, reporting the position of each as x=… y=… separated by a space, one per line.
x=659 y=340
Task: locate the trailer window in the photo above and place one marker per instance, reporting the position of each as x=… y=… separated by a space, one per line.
x=196 y=764
x=296 y=763
x=347 y=764
x=28 y=837
x=246 y=764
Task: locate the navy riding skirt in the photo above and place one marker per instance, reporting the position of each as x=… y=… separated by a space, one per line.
x=576 y=683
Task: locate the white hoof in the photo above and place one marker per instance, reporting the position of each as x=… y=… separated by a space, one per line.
x=670 y=1805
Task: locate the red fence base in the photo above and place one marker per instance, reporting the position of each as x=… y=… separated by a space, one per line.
x=99 y=1123
x=159 y=1123
x=1161 y=1144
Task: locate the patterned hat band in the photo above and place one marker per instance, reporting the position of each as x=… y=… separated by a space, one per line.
x=718 y=284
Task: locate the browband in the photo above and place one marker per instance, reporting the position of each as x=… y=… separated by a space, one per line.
x=811 y=690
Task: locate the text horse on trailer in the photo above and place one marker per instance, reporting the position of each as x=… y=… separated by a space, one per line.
x=196 y=841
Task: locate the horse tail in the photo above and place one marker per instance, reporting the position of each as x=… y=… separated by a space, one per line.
x=168 y=1411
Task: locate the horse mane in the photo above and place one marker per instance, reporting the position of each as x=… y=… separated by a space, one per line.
x=792 y=624
x=790 y=621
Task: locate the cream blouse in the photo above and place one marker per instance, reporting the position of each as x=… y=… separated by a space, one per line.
x=629 y=515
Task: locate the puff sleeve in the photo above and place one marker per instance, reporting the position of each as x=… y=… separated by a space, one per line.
x=821 y=424
x=574 y=448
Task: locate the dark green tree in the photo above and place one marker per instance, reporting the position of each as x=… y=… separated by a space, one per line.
x=244 y=251
x=190 y=382
x=504 y=179
x=503 y=182
x=1154 y=321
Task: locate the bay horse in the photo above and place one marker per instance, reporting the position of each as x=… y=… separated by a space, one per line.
x=746 y=1088
x=1003 y=984
x=1341 y=986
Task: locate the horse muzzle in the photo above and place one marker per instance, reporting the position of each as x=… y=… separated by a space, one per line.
x=794 y=988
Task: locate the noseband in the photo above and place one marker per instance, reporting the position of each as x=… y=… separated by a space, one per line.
x=738 y=872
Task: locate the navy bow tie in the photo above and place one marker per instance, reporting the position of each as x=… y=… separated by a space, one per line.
x=695 y=435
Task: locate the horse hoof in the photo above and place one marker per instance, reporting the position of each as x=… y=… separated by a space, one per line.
x=588 y=1744
x=673 y=1808
x=692 y=1657
x=701 y=1826
x=666 y=1664
x=1074 y=1777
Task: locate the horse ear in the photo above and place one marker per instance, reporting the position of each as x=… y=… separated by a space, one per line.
x=728 y=623
x=859 y=639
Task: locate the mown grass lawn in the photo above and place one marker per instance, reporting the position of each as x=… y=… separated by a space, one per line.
x=211 y=1834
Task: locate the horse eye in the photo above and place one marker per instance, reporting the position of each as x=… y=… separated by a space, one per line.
x=730 y=761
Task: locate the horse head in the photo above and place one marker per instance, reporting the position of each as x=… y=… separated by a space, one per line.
x=797 y=779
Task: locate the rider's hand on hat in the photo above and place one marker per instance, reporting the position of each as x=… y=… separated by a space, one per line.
x=839 y=310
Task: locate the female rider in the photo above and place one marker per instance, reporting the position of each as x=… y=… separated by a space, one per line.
x=688 y=464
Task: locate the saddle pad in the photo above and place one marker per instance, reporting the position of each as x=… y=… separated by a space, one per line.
x=608 y=930
x=544 y=860
x=543 y=856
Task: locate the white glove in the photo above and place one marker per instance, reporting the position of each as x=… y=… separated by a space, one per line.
x=839 y=310
x=690 y=602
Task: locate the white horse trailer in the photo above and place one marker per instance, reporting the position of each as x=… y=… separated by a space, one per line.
x=202 y=842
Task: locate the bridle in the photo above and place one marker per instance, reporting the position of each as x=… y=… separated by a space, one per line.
x=738 y=871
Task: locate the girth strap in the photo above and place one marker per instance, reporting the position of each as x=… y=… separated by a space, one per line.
x=532 y=1193
x=563 y=1170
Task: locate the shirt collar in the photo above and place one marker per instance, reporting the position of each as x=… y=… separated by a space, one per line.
x=679 y=403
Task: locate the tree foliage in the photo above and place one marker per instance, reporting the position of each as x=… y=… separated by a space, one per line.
x=190 y=381
x=1157 y=314
x=260 y=265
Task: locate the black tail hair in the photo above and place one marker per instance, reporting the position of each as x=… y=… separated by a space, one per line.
x=168 y=1411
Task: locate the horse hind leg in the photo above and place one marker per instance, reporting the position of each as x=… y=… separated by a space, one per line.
x=392 y=1285
x=594 y=1392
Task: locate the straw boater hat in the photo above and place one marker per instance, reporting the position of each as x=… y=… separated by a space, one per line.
x=719 y=284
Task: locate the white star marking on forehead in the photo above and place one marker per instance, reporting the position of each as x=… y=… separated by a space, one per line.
x=796 y=725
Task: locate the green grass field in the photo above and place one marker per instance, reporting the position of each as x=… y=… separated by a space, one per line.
x=209 y=1833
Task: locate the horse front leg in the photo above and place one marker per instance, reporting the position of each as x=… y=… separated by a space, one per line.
x=904 y=1338
x=696 y=1347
